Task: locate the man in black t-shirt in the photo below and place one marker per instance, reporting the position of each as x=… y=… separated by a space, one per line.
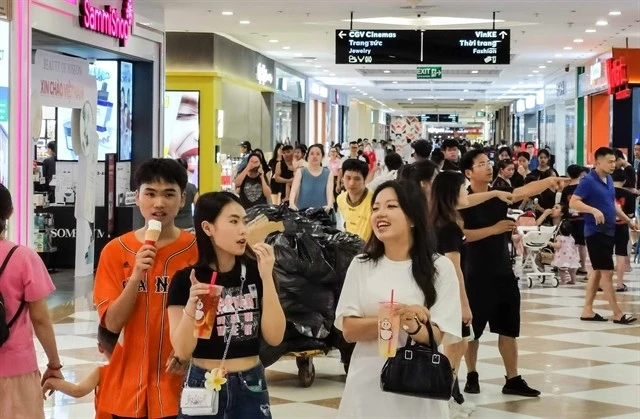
x=627 y=201
x=627 y=168
x=576 y=173
x=451 y=155
x=491 y=285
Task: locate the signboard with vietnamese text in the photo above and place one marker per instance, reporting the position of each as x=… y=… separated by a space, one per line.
x=62 y=81
x=464 y=46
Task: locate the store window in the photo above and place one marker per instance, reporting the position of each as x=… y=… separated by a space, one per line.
x=4 y=102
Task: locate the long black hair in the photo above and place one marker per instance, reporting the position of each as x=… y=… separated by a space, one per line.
x=208 y=208
x=265 y=166
x=445 y=193
x=274 y=160
x=423 y=251
x=6 y=207
x=419 y=171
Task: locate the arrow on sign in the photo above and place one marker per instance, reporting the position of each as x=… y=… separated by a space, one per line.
x=341 y=34
x=503 y=34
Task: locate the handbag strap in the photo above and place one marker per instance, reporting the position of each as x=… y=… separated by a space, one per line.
x=22 y=302
x=432 y=342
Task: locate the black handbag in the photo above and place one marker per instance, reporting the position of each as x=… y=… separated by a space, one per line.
x=418 y=371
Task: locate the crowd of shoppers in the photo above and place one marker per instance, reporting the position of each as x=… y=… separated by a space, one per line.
x=437 y=237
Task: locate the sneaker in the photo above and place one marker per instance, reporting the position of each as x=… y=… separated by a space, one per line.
x=456 y=395
x=473 y=383
x=456 y=411
x=518 y=387
x=468 y=407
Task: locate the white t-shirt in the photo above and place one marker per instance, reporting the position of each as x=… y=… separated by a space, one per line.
x=382 y=178
x=366 y=284
x=361 y=158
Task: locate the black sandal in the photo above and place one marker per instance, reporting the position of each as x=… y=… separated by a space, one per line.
x=596 y=318
x=625 y=320
x=623 y=288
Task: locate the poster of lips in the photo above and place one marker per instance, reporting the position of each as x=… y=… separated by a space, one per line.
x=182 y=129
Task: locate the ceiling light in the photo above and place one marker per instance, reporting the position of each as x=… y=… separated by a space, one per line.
x=318 y=66
x=520 y=82
x=286 y=47
x=394 y=82
x=245 y=22
x=409 y=99
x=602 y=23
x=529 y=75
x=475 y=72
x=615 y=13
x=549 y=61
x=578 y=40
x=273 y=41
x=535 y=71
x=325 y=70
x=227 y=13
x=465 y=90
x=387 y=71
x=590 y=31
x=558 y=55
x=568 y=48
x=353 y=87
x=365 y=94
x=332 y=75
x=461 y=100
x=542 y=66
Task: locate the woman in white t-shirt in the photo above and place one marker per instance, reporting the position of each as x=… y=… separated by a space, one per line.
x=400 y=256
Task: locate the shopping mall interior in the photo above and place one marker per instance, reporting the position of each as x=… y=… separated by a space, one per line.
x=195 y=79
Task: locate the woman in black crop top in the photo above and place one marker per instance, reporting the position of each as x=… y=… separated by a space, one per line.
x=248 y=309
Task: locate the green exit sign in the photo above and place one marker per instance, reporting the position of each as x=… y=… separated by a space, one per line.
x=429 y=73
x=481 y=114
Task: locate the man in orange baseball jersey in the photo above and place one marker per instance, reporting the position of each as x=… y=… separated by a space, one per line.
x=132 y=281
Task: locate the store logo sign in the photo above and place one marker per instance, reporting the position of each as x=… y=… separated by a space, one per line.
x=618 y=78
x=110 y=21
x=263 y=75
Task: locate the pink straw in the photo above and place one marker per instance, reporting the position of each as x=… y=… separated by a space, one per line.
x=389 y=343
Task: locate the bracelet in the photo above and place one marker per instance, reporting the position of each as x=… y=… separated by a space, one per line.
x=184 y=311
x=49 y=367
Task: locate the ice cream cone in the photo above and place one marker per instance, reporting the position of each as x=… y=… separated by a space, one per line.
x=154 y=228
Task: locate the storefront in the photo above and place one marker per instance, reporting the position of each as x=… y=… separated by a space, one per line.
x=111 y=81
x=596 y=104
x=318 y=117
x=290 y=113
x=5 y=53
x=526 y=126
x=228 y=92
x=560 y=122
x=340 y=117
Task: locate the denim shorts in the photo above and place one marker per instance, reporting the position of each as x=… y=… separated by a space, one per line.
x=244 y=396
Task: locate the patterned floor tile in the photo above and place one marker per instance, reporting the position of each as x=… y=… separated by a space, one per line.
x=623 y=396
x=612 y=355
x=550 y=383
x=549 y=363
x=562 y=407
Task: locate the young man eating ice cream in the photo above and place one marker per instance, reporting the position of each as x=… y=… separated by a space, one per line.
x=130 y=295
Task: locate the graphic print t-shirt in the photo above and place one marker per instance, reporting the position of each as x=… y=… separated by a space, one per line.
x=627 y=201
x=238 y=313
x=251 y=192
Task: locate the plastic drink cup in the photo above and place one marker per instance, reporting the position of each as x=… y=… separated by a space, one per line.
x=388 y=330
x=206 y=309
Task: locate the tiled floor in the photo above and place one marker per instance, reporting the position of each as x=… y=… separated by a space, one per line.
x=585 y=370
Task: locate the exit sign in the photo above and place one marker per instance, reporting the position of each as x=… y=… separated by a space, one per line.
x=480 y=114
x=424 y=73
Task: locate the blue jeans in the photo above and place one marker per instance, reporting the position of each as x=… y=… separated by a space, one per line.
x=244 y=396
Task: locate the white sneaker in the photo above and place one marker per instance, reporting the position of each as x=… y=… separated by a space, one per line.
x=467 y=407
x=456 y=411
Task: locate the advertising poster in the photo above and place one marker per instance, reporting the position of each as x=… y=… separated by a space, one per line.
x=4 y=102
x=182 y=129
x=106 y=75
x=126 y=109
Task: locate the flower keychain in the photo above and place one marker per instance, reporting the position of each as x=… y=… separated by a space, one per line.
x=215 y=379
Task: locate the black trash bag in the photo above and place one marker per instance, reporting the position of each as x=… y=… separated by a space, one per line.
x=292 y=342
x=303 y=255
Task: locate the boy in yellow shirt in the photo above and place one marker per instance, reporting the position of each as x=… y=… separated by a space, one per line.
x=355 y=203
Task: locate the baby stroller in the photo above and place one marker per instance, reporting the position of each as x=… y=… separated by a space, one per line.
x=536 y=242
x=522 y=219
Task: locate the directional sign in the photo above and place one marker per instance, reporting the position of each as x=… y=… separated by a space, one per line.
x=472 y=47
x=435 y=117
x=424 y=73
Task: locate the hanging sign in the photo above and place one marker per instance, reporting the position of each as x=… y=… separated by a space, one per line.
x=108 y=21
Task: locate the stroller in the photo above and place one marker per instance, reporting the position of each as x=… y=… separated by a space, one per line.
x=536 y=242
